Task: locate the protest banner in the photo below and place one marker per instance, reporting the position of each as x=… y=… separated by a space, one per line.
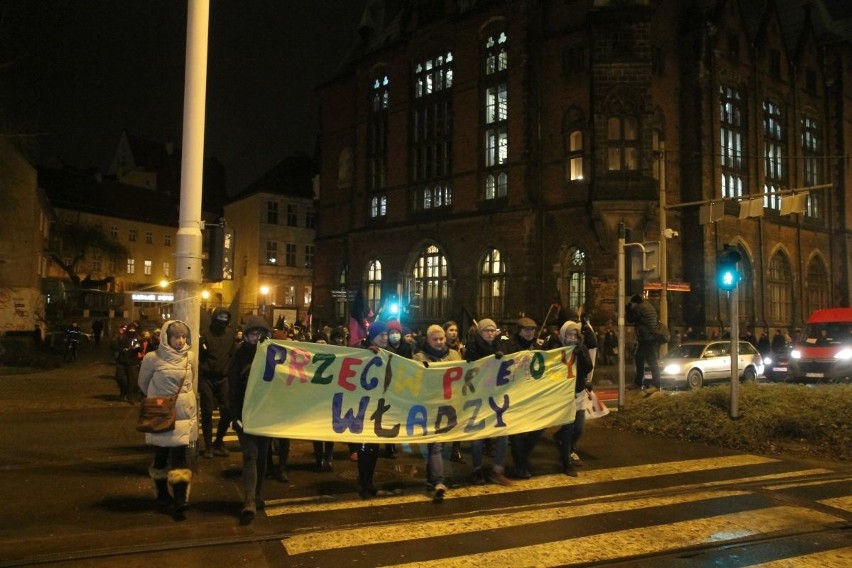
x=312 y=391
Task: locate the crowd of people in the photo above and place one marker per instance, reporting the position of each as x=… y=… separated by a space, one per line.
x=147 y=366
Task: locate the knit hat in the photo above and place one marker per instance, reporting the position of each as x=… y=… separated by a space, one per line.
x=376 y=328
x=256 y=323
x=569 y=325
x=526 y=322
x=394 y=324
x=483 y=323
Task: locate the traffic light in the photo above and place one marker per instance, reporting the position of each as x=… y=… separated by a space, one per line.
x=219 y=254
x=727 y=268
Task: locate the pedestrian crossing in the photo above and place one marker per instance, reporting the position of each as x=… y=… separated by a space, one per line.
x=554 y=520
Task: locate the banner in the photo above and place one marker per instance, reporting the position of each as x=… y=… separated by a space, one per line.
x=313 y=391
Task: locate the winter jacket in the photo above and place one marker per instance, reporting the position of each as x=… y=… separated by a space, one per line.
x=429 y=355
x=477 y=348
x=160 y=374
x=238 y=375
x=217 y=348
x=644 y=318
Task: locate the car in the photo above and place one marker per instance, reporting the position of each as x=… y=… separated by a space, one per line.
x=696 y=363
x=823 y=352
x=776 y=365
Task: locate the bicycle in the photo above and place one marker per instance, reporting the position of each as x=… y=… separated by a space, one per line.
x=70 y=350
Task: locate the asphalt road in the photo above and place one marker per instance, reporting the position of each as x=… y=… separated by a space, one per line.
x=75 y=492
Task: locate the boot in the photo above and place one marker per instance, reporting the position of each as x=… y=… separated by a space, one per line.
x=161 y=486
x=367 y=458
x=179 y=480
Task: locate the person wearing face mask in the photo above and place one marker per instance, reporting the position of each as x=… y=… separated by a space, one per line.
x=403 y=349
x=566 y=437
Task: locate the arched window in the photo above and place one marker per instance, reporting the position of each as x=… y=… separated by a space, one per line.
x=575 y=277
x=818 y=289
x=780 y=290
x=495 y=107
x=492 y=285
x=431 y=282
x=340 y=299
x=374 y=285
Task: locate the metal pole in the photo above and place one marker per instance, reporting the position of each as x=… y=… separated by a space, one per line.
x=735 y=355
x=188 y=254
x=664 y=297
x=620 y=310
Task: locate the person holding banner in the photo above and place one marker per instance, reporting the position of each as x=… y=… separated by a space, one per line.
x=254 y=448
x=451 y=329
x=435 y=349
x=567 y=435
x=482 y=344
x=368 y=454
x=522 y=445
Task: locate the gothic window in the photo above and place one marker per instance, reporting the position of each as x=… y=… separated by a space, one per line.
x=780 y=290
x=378 y=206
x=732 y=139
x=430 y=279
x=575 y=155
x=812 y=166
x=432 y=119
x=774 y=148
x=374 y=285
x=495 y=102
x=818 y=288
x=377 y=145
x=432 y=196
x=340 y=299
x=492 y=285
x=575 y=275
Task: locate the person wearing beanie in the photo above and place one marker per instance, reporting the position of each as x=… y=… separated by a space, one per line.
x=168 y=372
x=434 y=350
x=396 y=344
x=522 y=445
x=566 y=437
x=254 y=448
x=482 y=344
x=216 y=347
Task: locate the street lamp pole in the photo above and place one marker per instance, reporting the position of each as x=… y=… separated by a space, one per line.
x=664 y=284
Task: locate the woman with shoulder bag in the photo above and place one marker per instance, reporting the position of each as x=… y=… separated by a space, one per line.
x=167 y=372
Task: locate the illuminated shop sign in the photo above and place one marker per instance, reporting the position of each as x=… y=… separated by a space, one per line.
x=143 y=297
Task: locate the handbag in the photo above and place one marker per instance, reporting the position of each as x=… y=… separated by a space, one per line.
x=158 y=413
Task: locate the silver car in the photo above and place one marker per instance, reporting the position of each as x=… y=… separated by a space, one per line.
x=695 y=363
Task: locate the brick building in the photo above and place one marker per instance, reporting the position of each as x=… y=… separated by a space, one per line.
x=478 y=157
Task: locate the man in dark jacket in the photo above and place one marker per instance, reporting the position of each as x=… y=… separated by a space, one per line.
x=522 y=445
x=217 y=348
x=644 y=318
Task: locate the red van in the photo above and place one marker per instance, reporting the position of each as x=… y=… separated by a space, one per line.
x=824 y=350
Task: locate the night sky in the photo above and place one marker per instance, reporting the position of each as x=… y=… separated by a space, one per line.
x=75 y=73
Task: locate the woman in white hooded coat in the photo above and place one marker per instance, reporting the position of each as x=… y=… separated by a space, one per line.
x=166 y=372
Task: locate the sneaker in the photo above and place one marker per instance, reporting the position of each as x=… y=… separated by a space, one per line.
x=575 y=459
x=478 y=477
x=498 y=477
x=220 y=450
x=570 y=471
x=440 y=490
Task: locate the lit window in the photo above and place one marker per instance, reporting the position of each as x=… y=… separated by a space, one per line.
x=492 y=285
x=271 y=252
x=732 y=137
x=148 y=267
x=131 y=266
x=374 y=285
x=378 y=206
x=775 y=151
x=575 y=155
x=431 y=284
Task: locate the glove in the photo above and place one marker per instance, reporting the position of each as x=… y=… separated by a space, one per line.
x=498 y=355
x=237 y=425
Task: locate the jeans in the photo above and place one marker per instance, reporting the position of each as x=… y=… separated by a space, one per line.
x=500 y=445
x=434 y=464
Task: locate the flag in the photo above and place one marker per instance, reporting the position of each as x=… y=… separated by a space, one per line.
x=357 y=317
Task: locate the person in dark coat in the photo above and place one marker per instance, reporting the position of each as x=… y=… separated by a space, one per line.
x=216 y=349
x=522 y=445
x=644 y=318
x=254 y=448
x=127 y=347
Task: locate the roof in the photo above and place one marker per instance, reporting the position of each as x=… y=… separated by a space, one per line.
x=291 y=177
x=85 y=192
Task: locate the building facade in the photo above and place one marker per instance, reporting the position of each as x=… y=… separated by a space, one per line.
x=479 y=158
x=274 y=222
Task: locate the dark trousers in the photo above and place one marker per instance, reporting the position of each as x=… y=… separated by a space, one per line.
x=127 y=377
x=522 y=446
x=213 y=391
x=170 y=458
x=368 y=455
x=255 y=450
x=646 y=353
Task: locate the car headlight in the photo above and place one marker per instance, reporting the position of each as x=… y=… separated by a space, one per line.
x=767 y=361
x=796 y=354
x=844 y=354
x=671 y=369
